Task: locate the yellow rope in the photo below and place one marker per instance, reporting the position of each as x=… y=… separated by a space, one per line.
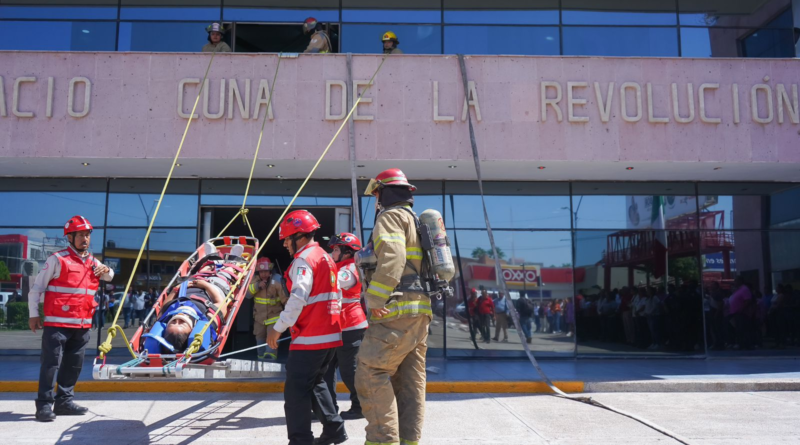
x=105 y=347
x=198 y=339
x=243 y=210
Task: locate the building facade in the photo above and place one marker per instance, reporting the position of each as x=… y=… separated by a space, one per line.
x=628 y=190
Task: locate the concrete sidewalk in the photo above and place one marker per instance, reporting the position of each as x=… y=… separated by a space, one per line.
x=19 y=374
x=450 y=419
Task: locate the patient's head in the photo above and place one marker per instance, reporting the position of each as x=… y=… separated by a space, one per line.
x=177 y=331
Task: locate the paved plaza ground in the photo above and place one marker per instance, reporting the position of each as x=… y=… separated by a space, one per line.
x=701 y=418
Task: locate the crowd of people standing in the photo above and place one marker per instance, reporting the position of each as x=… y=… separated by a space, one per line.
x=552 y=316
x=135 y=308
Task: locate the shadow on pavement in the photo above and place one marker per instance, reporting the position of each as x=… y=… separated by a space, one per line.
x=14 y=417
x=183 y=427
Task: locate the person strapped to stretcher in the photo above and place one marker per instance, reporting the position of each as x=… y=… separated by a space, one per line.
x=196 y=302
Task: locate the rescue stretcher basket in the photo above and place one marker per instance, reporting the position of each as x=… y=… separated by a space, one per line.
x=204 y=364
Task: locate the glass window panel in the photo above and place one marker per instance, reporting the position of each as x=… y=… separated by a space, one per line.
x=620 y=42
x=168 y=248
x=749 y=206
x=501 y=40
x=276 y=193
x=414 y=39
x=633 y=212
x=758 y=318
x=279 y=15
x=625 y=206
x=743 y=13
x=58 y=12
x=167 y=13
x=769 y=43
x=508 y=12
x=63 y=198
x=18 y=246
x=58 y=36
x=622 y=305
x=619 y=12
x=281 y=10
x=524 y=256
x=396 y=11
x=170 y=10
x=520 y=207
x=133 y=202
x=162 y=36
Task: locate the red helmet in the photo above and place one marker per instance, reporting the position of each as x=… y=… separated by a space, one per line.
x=345 y=239
x=77 y=224
x=393 y=176
x=299 y=221
x=309 y=25
x=263 y=264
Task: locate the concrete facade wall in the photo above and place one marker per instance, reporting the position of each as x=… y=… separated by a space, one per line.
x=134 y=108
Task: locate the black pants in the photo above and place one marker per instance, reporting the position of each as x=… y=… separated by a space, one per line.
x=486 y=326
x=345 y=360
x=306 y=390
x=62 y=359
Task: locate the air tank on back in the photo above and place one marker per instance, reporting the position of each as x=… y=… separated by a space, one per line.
x=440 y=254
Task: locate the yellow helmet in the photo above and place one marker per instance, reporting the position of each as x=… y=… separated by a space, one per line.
x=388 y=35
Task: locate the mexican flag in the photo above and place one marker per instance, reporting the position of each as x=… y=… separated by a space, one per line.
x=658 y=224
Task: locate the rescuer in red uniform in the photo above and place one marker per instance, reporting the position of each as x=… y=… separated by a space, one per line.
x=354 y=321
x=68 y=282
x=312 y=316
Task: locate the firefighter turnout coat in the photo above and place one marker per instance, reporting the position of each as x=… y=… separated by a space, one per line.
x=390 y=377
x=268 y=302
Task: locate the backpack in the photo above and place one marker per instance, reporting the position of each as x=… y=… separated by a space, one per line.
x=525 y=307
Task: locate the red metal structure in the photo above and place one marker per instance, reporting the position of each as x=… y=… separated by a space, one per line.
x=634 y=248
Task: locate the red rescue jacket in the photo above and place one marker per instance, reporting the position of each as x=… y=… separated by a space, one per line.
x=69 y=299
x=353 y=316
x=319 y=324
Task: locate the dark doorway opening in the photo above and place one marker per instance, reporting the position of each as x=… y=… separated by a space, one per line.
x=262 y=220
x=274 y=38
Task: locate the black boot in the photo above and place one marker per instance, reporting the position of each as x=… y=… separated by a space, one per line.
x=45 y=414
x=352 y=414
x=70 y=408
x=331 y=440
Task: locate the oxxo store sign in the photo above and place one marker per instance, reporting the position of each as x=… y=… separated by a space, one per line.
x=522 y=277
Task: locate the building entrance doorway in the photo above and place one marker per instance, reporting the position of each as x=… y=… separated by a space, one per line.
x=276 y=38
x=332 y=220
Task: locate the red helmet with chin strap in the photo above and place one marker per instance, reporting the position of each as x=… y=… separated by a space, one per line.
x=263 y=264
x=392 y=176
x=345 y=239
x=77 y=224
x=299 y=221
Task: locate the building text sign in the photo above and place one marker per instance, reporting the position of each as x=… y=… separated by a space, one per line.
x=137 y=105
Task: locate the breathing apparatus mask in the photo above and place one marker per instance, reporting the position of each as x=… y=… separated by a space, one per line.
x=365 y=258
x=394 y=195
